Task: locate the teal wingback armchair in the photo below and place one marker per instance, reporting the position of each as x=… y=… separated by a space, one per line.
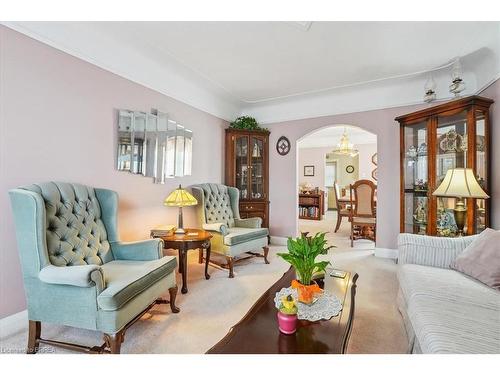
x=218 y=212
x=76 y=272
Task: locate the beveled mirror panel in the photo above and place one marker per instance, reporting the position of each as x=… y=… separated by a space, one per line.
x=179 y=151
x=171 y=147
x=161 y=148
x=138 y=138
x=152 y=145
x=124 y=144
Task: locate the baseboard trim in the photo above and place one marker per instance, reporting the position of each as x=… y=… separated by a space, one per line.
x=13 y=323
x=280 y=241
x=386 y=253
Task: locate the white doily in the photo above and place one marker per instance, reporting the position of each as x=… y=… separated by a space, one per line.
x=326 y=307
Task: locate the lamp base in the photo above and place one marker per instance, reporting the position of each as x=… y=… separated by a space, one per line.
x=460 y=213
x=180 y=224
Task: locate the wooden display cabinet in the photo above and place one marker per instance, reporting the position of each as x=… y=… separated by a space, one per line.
x=455 y=134
x=247 y=168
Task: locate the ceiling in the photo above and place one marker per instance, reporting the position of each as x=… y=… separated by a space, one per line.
x=330 y=137
x=229 y=68
x=257 y=61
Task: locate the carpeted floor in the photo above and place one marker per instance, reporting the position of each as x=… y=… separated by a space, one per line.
x=212 y=306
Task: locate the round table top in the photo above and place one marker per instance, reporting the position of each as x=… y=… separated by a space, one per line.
x=191 y=235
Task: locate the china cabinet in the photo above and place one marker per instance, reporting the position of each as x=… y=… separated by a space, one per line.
x=247 y=168
x=455 y=134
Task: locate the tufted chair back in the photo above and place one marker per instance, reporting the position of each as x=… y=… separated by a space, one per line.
x=218 y=204
x=74 y=230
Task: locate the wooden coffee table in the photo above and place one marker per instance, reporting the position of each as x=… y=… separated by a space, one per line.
x=193 y=239
x=257 y=332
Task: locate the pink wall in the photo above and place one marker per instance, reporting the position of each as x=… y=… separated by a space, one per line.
x=493 y=92
x=366 y=166
x=315 y=157
x=381 y=122
x=57 y=122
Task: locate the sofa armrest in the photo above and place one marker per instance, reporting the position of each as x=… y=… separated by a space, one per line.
x=430 y=251
x=80 y=276
x=139 y=250
x=251 y=222
x=216 y=227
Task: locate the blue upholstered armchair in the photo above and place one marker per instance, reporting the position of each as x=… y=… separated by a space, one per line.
x=219 y=213
x=76 y=271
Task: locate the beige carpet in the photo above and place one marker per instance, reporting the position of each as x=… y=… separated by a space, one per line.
x=212 y=306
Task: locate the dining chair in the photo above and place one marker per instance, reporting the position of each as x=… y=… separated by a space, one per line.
x=363 y=214
x=343 y=210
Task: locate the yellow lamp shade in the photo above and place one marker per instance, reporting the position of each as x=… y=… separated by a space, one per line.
x=461 y=183
x=180 y=198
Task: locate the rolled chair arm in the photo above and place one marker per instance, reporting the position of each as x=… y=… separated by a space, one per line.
x=80 y=276
x=430 y=251
x=140 y=250
x=216 y=227
x=251 y=222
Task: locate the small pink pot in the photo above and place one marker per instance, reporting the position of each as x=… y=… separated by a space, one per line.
x=287 y=323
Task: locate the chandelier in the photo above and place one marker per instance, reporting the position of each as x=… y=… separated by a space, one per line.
x=345 y=147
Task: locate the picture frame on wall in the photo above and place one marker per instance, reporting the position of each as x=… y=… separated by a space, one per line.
x=309 y=170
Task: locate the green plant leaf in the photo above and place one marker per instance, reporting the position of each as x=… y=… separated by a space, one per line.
x=246 y=123
x=302 y=253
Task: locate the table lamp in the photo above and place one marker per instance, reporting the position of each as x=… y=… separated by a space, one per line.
x=460 y=183
x=180 y=198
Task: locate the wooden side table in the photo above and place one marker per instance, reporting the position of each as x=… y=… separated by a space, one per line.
x=193 y=239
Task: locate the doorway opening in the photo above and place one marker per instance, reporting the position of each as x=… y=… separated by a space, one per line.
x=330 y=160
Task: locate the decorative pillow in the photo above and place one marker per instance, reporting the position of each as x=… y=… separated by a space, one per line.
x=481 y=259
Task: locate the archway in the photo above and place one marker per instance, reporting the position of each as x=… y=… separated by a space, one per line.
x=318 y=168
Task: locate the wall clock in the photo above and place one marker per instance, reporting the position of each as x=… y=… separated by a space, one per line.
x=349 y=169
x=283 y=145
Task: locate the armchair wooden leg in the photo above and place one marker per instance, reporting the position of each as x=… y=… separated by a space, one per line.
x=266 y=252
x=34 y=331
x=230 y=264
x=200 y=256
x=352 y=234
x=114 y=341
x=173 y=294
x=339 y=220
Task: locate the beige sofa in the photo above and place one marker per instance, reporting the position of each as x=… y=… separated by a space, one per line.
x=444 y=311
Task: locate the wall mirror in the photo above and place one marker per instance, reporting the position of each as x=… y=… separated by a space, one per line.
x=152 y=145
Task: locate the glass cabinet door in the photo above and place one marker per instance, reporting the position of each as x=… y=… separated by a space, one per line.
x=480 y=208
x=257 y=168
x=451 y=152
x=415 y=178
x=242 y=167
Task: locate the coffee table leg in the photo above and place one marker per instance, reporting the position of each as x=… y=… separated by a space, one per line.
x=184 y=289
x=207 y=260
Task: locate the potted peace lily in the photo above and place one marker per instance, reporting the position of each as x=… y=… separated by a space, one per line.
x=302 y=254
